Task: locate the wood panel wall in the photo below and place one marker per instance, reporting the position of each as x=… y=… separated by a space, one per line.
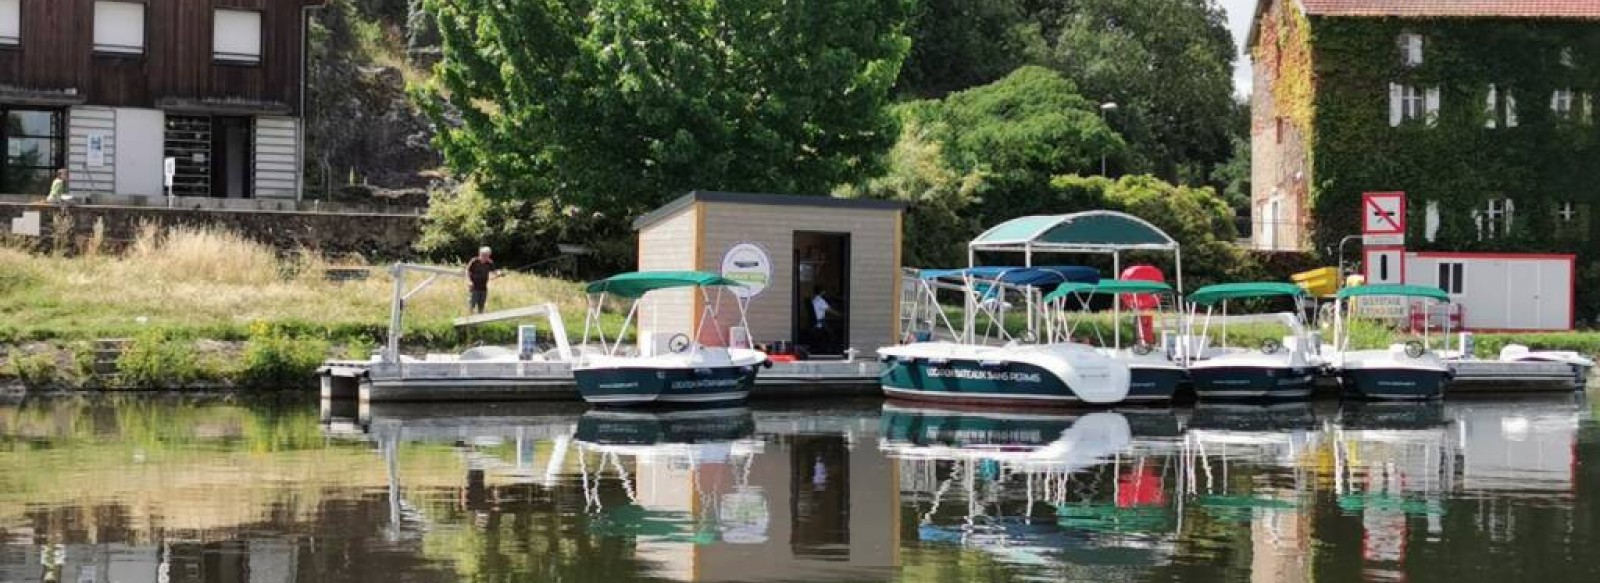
x=57 y=54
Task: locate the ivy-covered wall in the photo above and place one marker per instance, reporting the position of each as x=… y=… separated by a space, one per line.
x=1456 y=161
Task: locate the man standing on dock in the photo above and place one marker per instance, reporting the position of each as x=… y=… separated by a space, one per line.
x=479 y=269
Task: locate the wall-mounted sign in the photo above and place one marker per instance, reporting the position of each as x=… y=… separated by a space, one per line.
x=1383 y=218
x=97 y=149
x=749 y=264
x=169 y=168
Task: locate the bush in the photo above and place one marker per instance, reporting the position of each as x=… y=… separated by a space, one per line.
x=36 y=371
x=275 y=359
x=1585 y=343
x=155 y=359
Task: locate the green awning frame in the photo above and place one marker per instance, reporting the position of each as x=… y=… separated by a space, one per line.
x=1213 y=294
x=1108 y=286
x=1394 y=290
x=638 y=283
x=1085 y=232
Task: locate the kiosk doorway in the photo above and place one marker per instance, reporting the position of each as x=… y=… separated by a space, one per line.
x=822 y=280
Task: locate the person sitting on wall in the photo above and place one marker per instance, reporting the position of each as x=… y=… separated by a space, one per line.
x=58 y=189
x=479 y=270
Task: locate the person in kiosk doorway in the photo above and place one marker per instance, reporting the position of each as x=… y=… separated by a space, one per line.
x=479 y=270
x=822 y=335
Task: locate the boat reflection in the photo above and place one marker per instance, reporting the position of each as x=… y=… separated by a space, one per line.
x=1055 y=489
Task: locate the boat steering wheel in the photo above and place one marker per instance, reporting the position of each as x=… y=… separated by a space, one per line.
x=1142 y=349
x=1271 y=346
x=1414 y=349
x=678 y=343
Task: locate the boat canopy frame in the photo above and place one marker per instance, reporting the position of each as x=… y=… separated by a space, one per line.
x=1057 y=301
x=996 y=282
x=1097 y=232
x=1214 y=296
x=1341 y=328
x=636 y=285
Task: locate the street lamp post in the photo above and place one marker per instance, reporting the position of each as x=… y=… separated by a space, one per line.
x=1105 y=107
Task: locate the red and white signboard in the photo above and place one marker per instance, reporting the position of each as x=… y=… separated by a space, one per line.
x=1383 y=218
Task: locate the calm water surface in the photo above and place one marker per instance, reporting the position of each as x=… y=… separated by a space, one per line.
x=165 y=489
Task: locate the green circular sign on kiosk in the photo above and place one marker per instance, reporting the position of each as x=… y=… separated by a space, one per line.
x=749 y=264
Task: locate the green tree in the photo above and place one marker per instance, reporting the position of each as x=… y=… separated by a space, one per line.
x=958 y=44
x=1168 y=66
x=612 y=107
x=1020 y=131
x=939 y=199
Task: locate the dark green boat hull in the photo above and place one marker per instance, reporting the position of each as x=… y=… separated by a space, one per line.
x=628 y=386
x=1394 y=384
x=1245 y=383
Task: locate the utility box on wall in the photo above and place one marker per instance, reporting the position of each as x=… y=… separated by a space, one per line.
x=786 y=249
x=1501 y=291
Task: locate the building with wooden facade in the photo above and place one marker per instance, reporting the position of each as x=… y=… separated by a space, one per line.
x=111 y=89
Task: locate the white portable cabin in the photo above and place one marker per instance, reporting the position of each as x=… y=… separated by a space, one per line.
x=1501 y=291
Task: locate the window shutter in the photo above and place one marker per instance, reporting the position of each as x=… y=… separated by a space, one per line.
x=1415 y=48
x=1510 y=208
x=237 y=36
x=1430 y=222
x=1489 y=107
x=1587 y=115
x=119 y=27
x=10 y=22
x=1431 y=106
x=1396 y=111
x=1511 y=109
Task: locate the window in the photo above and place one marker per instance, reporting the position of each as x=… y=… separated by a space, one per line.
x=119 y=27
x=10 y=22
x=1409 y=102
x=1561 y=103
x=1500 y=108
x=1411 y=49
x=1568 y=212
x=236 y=37
x=1450 y=279
x=1566 y=57
x=33 y=148
x=1495 y=220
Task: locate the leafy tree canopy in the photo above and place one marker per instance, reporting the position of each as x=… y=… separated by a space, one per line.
x=1020 y=131
x=619 y=105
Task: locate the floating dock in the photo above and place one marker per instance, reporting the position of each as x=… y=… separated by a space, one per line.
x=378 y=382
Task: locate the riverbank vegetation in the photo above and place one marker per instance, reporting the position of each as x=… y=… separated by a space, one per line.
x=196 y=306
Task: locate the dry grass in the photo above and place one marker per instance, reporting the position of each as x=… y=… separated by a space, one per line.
x=219 y=283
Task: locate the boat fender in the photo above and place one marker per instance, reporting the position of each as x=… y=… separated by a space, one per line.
x=886 y=359
x=1414 y=349
x=767 y=363
x=1142 y=349
x=1270 y=346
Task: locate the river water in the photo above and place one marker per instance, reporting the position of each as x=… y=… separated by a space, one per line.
x=160 y=489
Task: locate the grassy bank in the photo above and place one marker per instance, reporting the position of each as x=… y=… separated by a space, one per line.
x=207 y=305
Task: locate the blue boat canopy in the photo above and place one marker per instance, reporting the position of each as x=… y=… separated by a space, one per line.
x=1091 y=231
x=1021 y=276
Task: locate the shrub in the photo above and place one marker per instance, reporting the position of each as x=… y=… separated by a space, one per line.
x=1586 y=343
x=155 y=359
x=36 y=370
x=275 y=359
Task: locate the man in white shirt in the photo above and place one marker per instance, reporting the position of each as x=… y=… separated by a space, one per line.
x=820 y=308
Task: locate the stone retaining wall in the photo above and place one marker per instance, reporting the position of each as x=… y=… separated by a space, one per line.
x=372 y=235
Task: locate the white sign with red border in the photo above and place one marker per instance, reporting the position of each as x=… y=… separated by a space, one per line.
x=1383 y=218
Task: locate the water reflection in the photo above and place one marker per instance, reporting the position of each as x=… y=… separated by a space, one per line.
x=142 y=489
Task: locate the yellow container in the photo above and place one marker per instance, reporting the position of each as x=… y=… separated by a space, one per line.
x=1319 y=282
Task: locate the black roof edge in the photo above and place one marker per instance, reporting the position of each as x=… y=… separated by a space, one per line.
x=817 y=201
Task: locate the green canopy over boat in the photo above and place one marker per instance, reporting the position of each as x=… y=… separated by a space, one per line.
x=1409 y=291
x=638 y=283
x=1213 y=294
x=1108 y=286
